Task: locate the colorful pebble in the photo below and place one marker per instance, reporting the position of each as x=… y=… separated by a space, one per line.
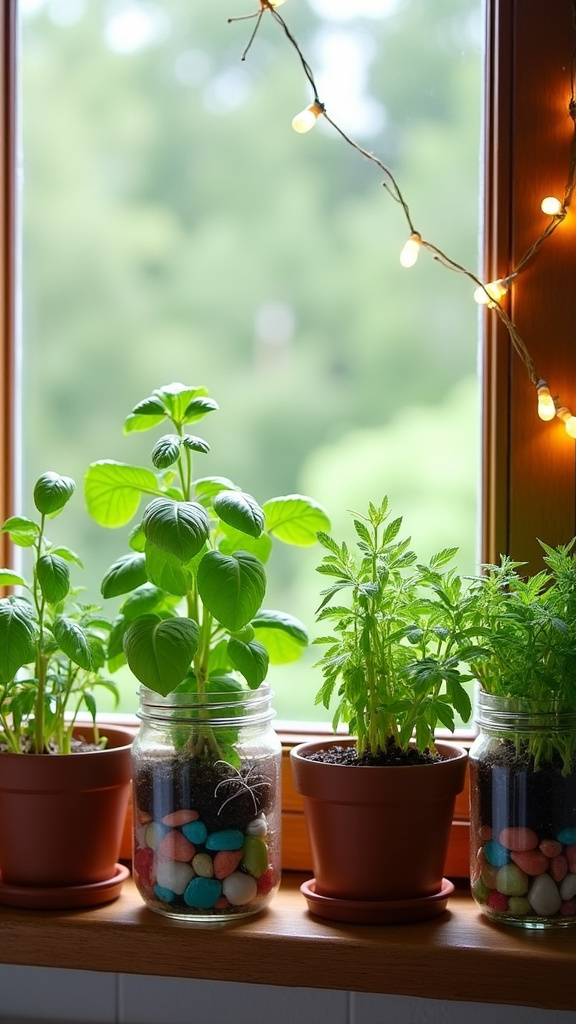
x=496 y=854
x=255 y=855
x=175 y=846
x=228 y=839
x=551 y=847
x=568 y=909
x=258 y=827
x=177 y=818
x=567 y=887
x=203 y=865
x=196 y=832
x=226 y=861
x=202 y=893
x=567 y=836
x=174 y=875
x=518 y=839
x=155 y=833
x=511 y=881
x=544 y=896
x=533 y=862
x=239 y=889
x=166 y=895
x=519 y=906
x=558 y=867
x=497 y=901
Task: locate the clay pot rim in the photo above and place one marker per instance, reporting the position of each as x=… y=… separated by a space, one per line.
x=450 y=749
x=120 y=733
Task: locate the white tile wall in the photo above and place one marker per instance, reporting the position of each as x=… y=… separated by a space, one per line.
x=31 y=995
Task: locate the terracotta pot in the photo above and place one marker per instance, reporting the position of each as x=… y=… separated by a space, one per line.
x=62 y=816
x=378 y=834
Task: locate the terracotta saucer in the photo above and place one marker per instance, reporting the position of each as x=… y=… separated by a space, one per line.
x=64 y=897
x=368 y=912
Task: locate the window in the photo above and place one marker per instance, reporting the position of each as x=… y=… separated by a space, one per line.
x=529 y=467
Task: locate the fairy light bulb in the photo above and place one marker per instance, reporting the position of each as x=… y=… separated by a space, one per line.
x=568 y=419
x=551 y=205
x=411 y=250
x=490 y=293
x=546 y=404
x=307 y=118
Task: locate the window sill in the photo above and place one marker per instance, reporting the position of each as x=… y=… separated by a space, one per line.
x=458 y=956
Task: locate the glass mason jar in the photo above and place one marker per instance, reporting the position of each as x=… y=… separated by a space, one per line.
x=523 y=812
x=206 y=787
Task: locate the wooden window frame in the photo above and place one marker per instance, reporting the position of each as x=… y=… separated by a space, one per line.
x=529 y=468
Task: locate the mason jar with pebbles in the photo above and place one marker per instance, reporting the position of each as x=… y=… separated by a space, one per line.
x=206 y=787
x=523 y=812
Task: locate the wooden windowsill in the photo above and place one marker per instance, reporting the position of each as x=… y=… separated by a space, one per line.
x=458 y=956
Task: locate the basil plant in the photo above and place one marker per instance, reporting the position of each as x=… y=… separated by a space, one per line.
x=52 y=646
x=194 y=580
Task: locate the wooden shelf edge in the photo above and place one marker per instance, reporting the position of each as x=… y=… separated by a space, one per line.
x=457 y=956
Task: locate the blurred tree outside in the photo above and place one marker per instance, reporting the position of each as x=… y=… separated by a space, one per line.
x=176 y=228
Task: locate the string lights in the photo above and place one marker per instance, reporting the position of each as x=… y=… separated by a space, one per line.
x=491 y=293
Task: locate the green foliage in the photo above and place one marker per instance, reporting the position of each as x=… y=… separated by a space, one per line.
x=528 y=631
x=52 y=648
x=195 y=582
x=396 y=657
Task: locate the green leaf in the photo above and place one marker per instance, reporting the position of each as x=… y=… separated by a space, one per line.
x=207 y=487
x=159 y=651
x=113 y=491
x=8 y=578
x=145 y=600
x=52 y=492
x=195 y=444
x=73 y=640
x=231 y=587
x=67 y=555
x=167 y=572
x=53 y=577
x=145 y=415
x=166 y=451
x=126 y=573
x=241 y=511
x=137 y=540
x=18 y=632
x=198 y=408
x=250 y=659
x=179 y=527
x=177 y=397
x=233 y=540
x=283 y=636
x=22 y=531
x=295 y=519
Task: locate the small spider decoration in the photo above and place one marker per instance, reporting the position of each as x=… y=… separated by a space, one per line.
x=247 y=783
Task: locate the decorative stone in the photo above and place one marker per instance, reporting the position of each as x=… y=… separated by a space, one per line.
x=519 y=906
x=142 y=817
x=239 y=889
x=518 y=839
x=544 y=896
x=551 y=847
x=567 y=836
x=258 y=827
x=174 y=875
x=196 y=832
x=267 y=881
x=175 y=846
x=144 y=866
x=558 y=867
x=225 y=862
x=177 y=818
x=203 y=865
x=568 y=909
x=570 y=854
x=489 y=874
x=166 y=895
x=228 y=839
x=567 y=887
x=533 y=862
x=255 y=855
x=203 y=893
x=155 y=833
x=497 y=901
x=512 y=881
x=480 y=891
x=495 y=853
x=485 y=833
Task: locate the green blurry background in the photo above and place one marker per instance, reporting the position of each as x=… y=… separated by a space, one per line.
x=176 y=228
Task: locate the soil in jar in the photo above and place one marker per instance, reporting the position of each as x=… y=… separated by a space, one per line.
x=206 y=836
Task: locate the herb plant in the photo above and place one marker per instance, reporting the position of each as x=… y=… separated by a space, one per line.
x=396 y=655
x=52 y=647
x=194 y=580
x=527 y=626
